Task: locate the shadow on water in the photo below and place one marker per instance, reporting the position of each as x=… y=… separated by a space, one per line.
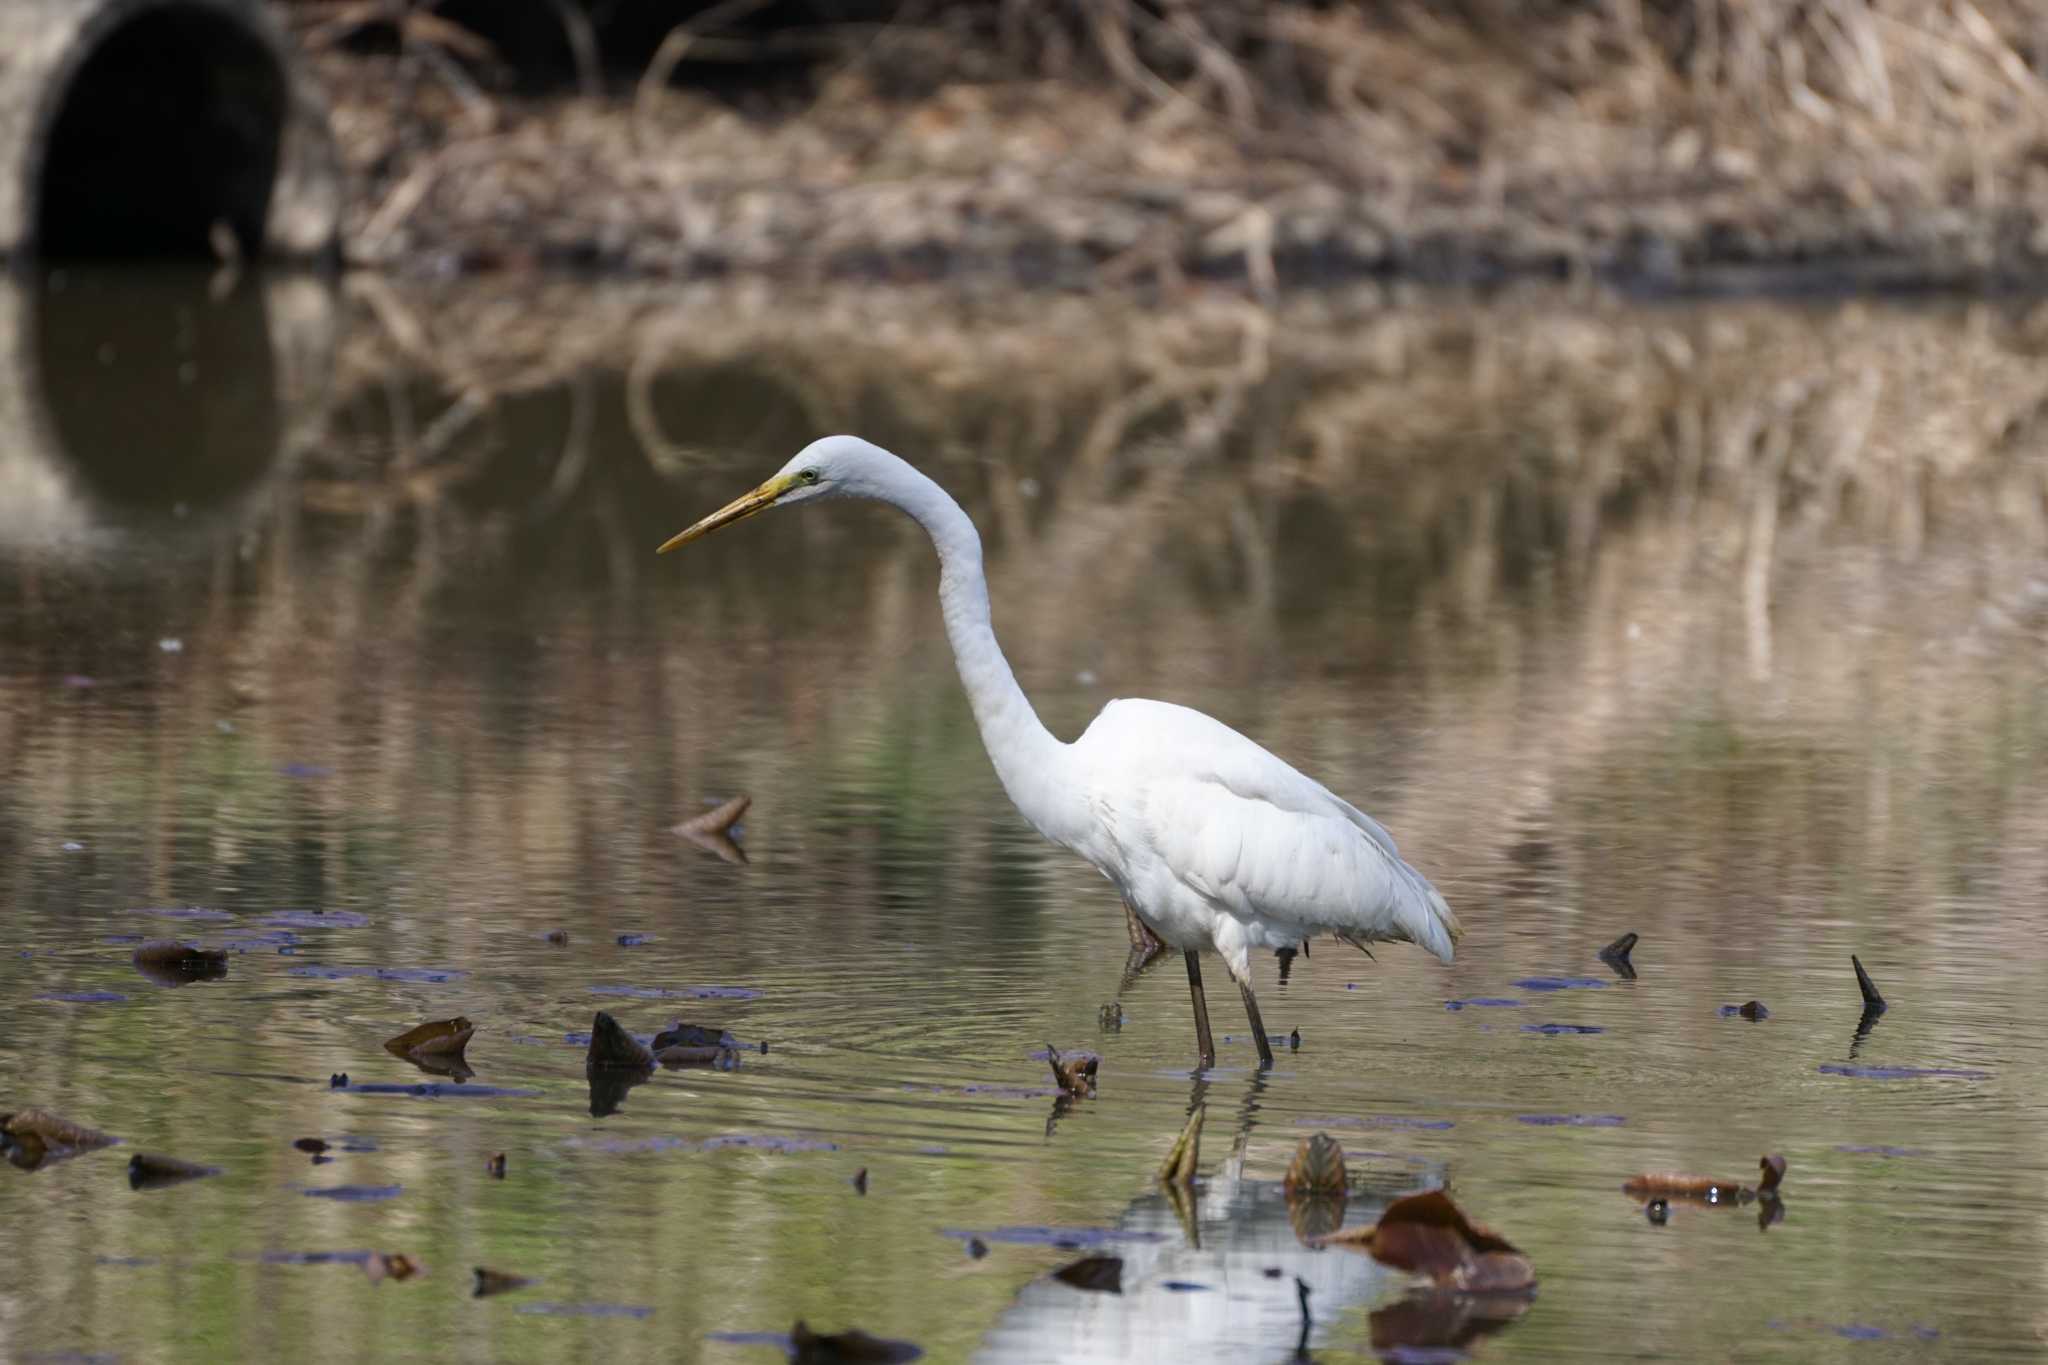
x=1717 y=626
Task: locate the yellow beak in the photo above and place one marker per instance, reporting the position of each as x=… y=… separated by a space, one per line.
x=739 y=509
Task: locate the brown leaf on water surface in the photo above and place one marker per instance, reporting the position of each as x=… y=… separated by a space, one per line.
x=1317 y=1168
x=392 y=1265
x=435 y=1038
x=1699 y=1189
x=30 y=1137
x=168 y=962
x=712 y=831
x=851 y=1347
x=489 y=1282
x=150 y=1171
x=314 y=1146
x=1429 y=1235
x=680 y=1034
x=1186 y=1152
x=1101 y=1274
x=558 y=937
x=614 y=1048
x=495 y=1167
x=1076 y=1074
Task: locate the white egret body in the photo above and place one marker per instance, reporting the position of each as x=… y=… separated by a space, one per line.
x=1215 y=843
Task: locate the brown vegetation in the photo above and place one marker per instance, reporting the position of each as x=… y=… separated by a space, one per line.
x=1661 y=141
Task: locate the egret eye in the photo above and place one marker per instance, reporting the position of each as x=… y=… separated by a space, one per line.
x=809 y=476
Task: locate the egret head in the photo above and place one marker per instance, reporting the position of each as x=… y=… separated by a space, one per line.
x=834 y=467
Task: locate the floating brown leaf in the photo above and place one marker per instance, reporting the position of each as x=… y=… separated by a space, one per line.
x=712 y=831
x=149 y=1171
x=612 y=1047
x=495 y=1167
x=490 y=1282
x=313 y=1145
x=1076 y=1074
x=171 y=963
x=1699 y=1189
x=393 y=1265
x=1317 y=1168
x=1429 y=1235
x=679 y=1034
x=558 y=937
x=30 y=1137
x=1186 y=1152
x=845 y=1348
x=683 y=1055
x=1101 y=1274
x=860 y=1181
x=435 y=1038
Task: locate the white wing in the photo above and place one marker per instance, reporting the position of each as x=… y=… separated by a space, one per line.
x=1251 y=835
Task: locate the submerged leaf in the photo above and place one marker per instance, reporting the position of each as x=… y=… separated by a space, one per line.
x=1317 y=1168
x=435 y=1038
x=171 y=963
x=1099 y=1274
x=851 y=1347
x=148 y=1171
x=1179 y=1166
x=490 y=1282
x=612 y=1047
x=1076 y=1074
x=1429 y=1235
x=1431 y=1322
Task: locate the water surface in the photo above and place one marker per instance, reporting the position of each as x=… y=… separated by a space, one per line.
x=356 y=643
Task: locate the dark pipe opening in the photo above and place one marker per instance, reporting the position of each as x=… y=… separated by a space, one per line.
x=169 y=127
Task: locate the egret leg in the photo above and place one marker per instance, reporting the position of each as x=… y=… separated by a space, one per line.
x=1251 y=1009
x=1202 y=1039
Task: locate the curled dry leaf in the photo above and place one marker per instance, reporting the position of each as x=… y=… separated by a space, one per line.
x=1076 y=1074
x=489 y=1282
x=435 y=1038
x=495 y=1167
x=1181 y=1159
x=1099 y=1274
x=149 y=1171
x=1317 y=1168
x=612 y=1048
x=845 y=1348
x=390 y=1265
x=712 y=831
x=171 y=963
x=1429 y=1235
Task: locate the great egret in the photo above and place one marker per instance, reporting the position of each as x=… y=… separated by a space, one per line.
x=1213 y=842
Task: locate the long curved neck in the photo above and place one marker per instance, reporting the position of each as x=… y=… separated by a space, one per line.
x=1029 y=762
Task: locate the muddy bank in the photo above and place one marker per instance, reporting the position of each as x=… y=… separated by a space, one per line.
x=1668 y=146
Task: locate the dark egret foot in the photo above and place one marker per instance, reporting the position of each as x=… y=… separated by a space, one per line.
x=1203 y=1040
x=1251 y=1010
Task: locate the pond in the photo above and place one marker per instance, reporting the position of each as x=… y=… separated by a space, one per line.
x=331 y=612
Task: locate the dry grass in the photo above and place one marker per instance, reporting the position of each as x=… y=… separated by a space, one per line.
x=1901 y=140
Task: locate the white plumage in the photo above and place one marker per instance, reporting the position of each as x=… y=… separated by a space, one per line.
x=1214 y=842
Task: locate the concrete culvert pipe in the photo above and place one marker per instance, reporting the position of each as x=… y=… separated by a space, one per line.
x=149 y=128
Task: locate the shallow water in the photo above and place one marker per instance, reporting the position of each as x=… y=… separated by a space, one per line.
x=390 y=726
